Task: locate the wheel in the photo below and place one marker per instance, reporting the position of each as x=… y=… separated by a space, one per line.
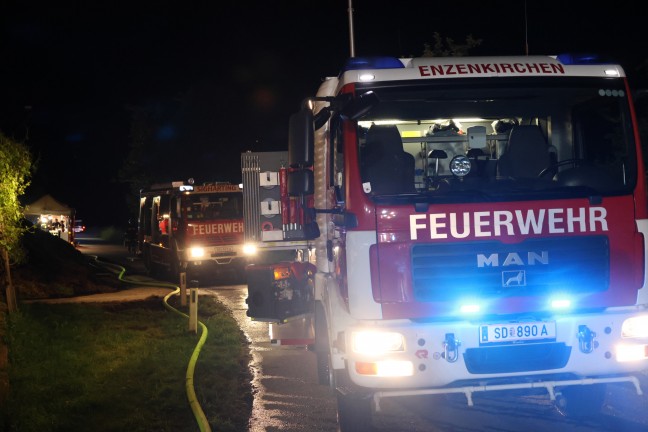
x=581 y=401
x=174 y=271
x=354 y=413
x=148 y=263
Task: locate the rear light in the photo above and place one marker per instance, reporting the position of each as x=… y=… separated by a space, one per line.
x=281 y=273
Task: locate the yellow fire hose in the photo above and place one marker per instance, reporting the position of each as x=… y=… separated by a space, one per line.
x=201 y=419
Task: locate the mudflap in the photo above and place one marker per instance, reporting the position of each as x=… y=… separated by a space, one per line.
x=354 y=406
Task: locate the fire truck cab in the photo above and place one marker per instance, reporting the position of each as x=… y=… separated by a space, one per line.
x=477 y=224
x=196 y=229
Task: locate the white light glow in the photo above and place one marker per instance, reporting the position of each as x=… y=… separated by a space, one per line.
x=366 y=77
x=394 y=368
x=611 y=72
x=375 y=342
x=560 y=303
x=368 y=124
x=470 y=308
x=628 y=353
x=249 y=249
x=197 y=252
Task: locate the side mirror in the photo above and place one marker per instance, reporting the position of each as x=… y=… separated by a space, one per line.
x=301 y=182
x=301 y=137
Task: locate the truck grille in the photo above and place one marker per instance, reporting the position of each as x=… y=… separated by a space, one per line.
x=441 y=272
x=517 y=358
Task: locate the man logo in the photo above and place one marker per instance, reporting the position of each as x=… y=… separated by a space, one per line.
x=514 y=278
x=514 y=258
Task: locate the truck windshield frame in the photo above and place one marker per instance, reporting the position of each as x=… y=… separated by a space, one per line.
x=585 y=124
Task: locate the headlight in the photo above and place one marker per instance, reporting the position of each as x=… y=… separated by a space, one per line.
x=635 y=327
x=376 y=342
x=249 y=249
x=197 y=252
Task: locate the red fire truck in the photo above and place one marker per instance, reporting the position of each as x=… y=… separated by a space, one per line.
x=461 y=225
x=190 y=228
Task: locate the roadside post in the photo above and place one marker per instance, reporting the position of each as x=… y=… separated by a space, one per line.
x=193 y=306
x=183 y=288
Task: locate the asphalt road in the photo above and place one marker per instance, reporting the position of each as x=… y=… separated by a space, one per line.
x=286 y=394
x=288 y=398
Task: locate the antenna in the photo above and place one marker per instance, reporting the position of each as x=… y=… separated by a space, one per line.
x=351 y=41
x=526 y=29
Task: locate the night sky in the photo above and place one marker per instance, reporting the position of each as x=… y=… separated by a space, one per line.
x=215 y=79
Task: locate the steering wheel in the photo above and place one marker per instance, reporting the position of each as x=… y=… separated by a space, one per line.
x=554 y=167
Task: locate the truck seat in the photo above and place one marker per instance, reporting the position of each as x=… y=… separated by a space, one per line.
x=526 y=155
x=386 y=166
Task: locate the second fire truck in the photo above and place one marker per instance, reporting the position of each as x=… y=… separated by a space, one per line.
x=196 y=229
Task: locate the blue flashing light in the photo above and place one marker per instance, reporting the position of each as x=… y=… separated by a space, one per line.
x=356 y=63
x=561 y=303
x=582 y=59
x=470 y=309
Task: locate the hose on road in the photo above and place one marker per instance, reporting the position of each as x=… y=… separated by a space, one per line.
x=199 y=414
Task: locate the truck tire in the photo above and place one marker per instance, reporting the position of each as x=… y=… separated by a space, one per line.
x=174 y=271
x=354 y=412
x=581 y=401
x=151 y=267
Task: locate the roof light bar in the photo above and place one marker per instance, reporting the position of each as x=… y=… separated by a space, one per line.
x=582 y=59
x=357 y=63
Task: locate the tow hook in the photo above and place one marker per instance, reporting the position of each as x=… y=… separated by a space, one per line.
x=585 y=339
x=451 y=348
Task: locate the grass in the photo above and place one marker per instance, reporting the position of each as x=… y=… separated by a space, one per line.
x=121 y=367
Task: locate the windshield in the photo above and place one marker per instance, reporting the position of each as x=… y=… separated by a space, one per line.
x=212 y=206
x=464 y=139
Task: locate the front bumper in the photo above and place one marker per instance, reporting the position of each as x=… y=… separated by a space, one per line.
x=444 y=356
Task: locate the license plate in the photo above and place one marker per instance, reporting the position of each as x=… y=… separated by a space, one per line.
x=517 y=332
x=223 y=249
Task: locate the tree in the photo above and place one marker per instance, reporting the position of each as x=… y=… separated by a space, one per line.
x=15 y=174
x=136 y=170
x=444 y=47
